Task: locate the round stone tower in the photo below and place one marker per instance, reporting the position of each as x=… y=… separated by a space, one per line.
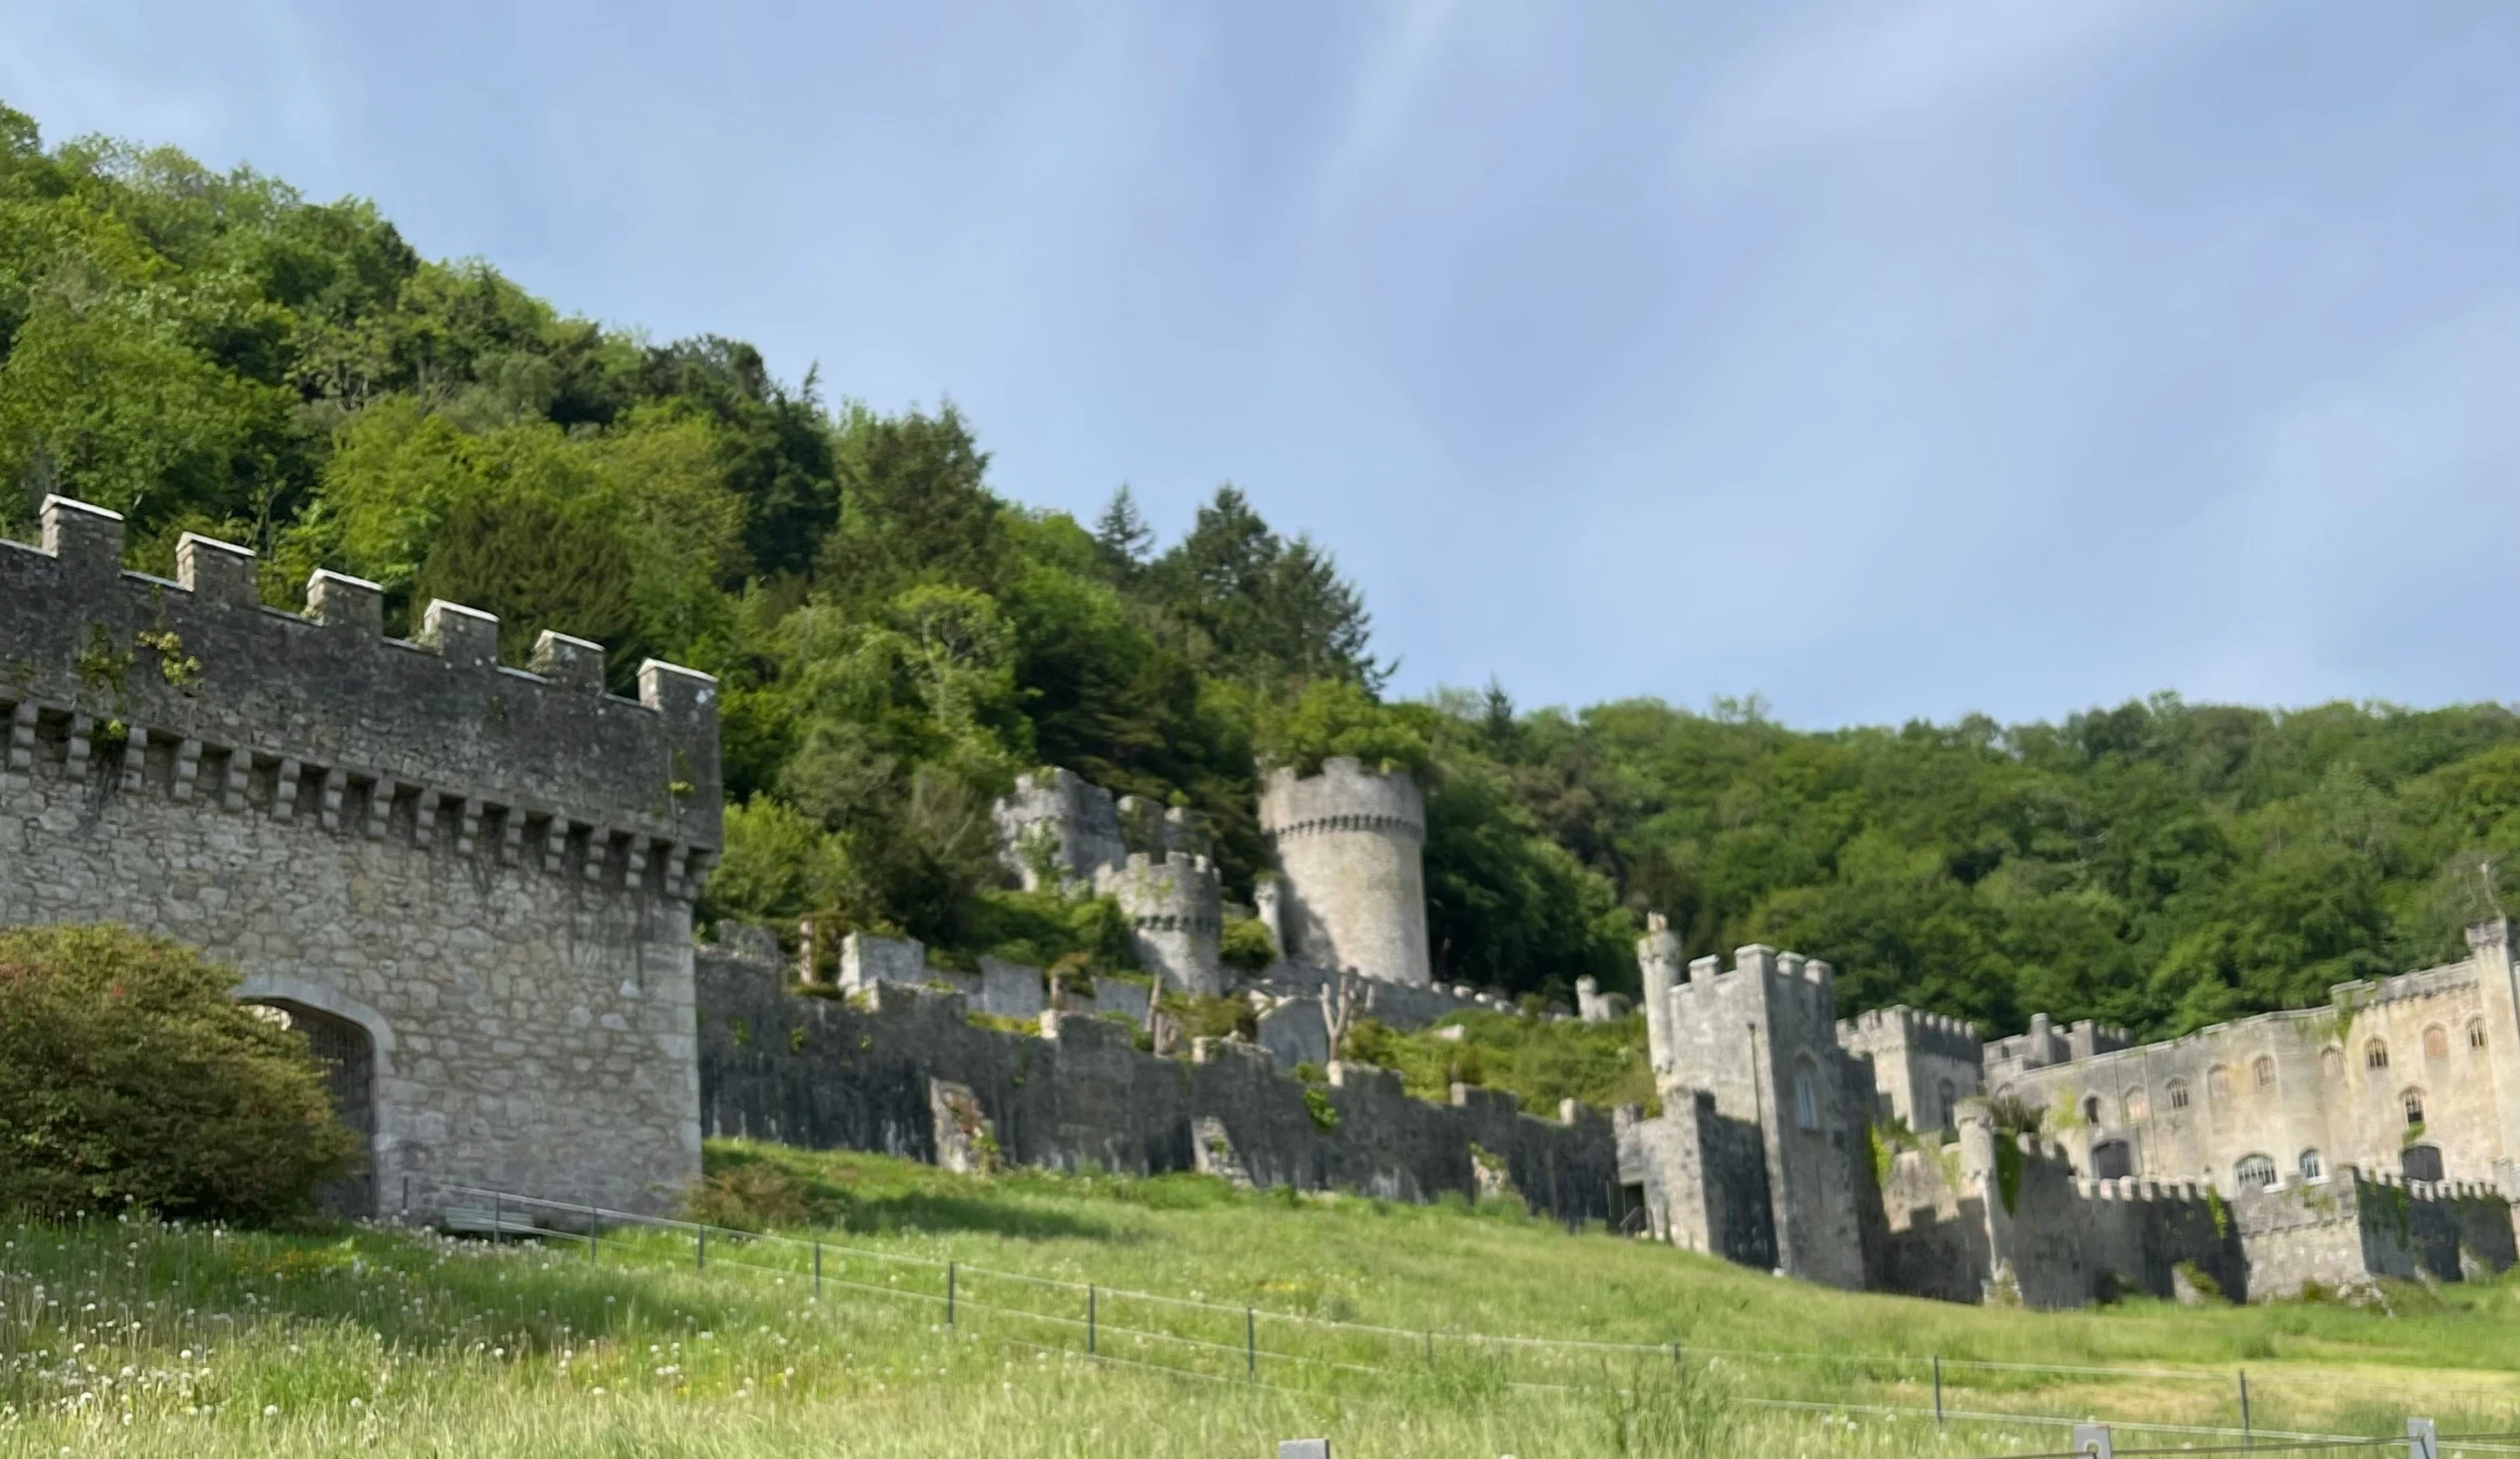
x=1351 y=843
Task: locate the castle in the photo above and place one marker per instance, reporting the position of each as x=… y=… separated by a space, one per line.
x=468 y=884
x=2372 y=1137
x=470 y=887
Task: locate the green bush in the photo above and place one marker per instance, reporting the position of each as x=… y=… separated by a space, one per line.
x=129 y=1078
x=1247 y=945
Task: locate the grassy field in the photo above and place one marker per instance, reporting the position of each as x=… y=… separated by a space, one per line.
x=130 y=1338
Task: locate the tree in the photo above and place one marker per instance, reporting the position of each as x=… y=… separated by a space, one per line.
x=1122 y=537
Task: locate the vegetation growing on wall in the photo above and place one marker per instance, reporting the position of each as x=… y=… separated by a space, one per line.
x=211 y=351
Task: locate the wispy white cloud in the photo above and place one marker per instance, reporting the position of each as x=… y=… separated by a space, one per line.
x=1839 y=73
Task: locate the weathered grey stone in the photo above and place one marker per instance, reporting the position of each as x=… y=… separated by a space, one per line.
x=471 y=884
x=1350 y=843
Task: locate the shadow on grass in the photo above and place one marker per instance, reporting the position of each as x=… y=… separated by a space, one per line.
x=756 y=1187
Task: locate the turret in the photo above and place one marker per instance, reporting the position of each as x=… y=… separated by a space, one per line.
x=1658 y=961
x=1351 y=842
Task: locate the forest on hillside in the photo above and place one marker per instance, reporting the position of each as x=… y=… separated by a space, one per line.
x=208 y=352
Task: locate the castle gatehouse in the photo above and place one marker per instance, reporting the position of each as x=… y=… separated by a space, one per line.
x=471 y=884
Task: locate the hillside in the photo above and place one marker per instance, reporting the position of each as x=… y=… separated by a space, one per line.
x=1365 y=1323
x=212 y=352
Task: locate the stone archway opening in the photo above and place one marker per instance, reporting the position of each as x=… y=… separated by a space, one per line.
x=347 y=1056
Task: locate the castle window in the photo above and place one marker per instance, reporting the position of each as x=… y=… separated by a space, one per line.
x=2112 y=1159
x=1948 y=1096
x=2436 y=1042
x=2178 y=1093
x=2413 y=1101
x=2218 y=1082
x=2263 y=1070
x=2090 y=1109
x=2138 y=1107
x=2476 y=1034
x=2255 y=1172
x=2332 y=1063
x=1806 y=1096
x=2376 y=1055
x=2311 y=1169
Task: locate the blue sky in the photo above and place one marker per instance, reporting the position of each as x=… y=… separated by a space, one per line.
x=1883 y=360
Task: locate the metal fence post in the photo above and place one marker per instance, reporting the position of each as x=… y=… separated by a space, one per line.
x=701 y=1249
x=1938 y=1389
x=1250 y=1345
x=818 y=1278
x=498 y=1215
x=2422 y=1442
x=2090 y=1441
x=2246 y=1437
x=949 y=1294
x=1089 y=1321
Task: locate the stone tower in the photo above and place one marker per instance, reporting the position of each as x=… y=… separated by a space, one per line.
x=1060 y=832
x=468 y=884
x=1761 y=1037
x=1178 y=908
x=1351 y=843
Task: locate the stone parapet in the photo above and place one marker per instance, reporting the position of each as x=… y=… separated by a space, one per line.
x=193 y=689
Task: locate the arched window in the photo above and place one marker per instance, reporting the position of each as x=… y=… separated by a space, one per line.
x=2332 y=1063
x=2178 y=1093
x=2476 y=1033
x=2311 y=1169
x=2436 y=1042
x=2218 y=1082
x=2138 y=1107
x=2263 y=1070
x=2255 y=1172
x=2413 y=1101
x=2090 y=1109
x=1806 y=1096
x=2376 y=1055
x=1948 y=1096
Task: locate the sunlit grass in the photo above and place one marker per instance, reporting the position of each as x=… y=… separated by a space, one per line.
x=134 y=1339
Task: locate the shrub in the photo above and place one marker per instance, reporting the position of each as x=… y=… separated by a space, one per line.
x=750 y=1197
x=1246 y=946
x=129 y=1078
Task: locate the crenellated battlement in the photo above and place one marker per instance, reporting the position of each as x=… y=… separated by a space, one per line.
x=1764 y=962
x=1343 y=797
x=195 y=690
x=1901 y=1026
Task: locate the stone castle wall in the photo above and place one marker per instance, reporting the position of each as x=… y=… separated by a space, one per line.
x=1350 y=843
x=2304 y=1091
x=485 y=872
x=861 y=1072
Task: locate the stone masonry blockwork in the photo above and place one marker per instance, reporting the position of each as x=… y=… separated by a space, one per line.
x=487 y=872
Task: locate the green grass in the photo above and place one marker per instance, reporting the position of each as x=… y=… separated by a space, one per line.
x=130 y=1338
x=1541 y=1063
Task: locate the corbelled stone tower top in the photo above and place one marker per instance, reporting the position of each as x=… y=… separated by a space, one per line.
x=1351 y=843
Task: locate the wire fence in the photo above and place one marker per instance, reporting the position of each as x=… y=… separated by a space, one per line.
x=1199 y=1339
